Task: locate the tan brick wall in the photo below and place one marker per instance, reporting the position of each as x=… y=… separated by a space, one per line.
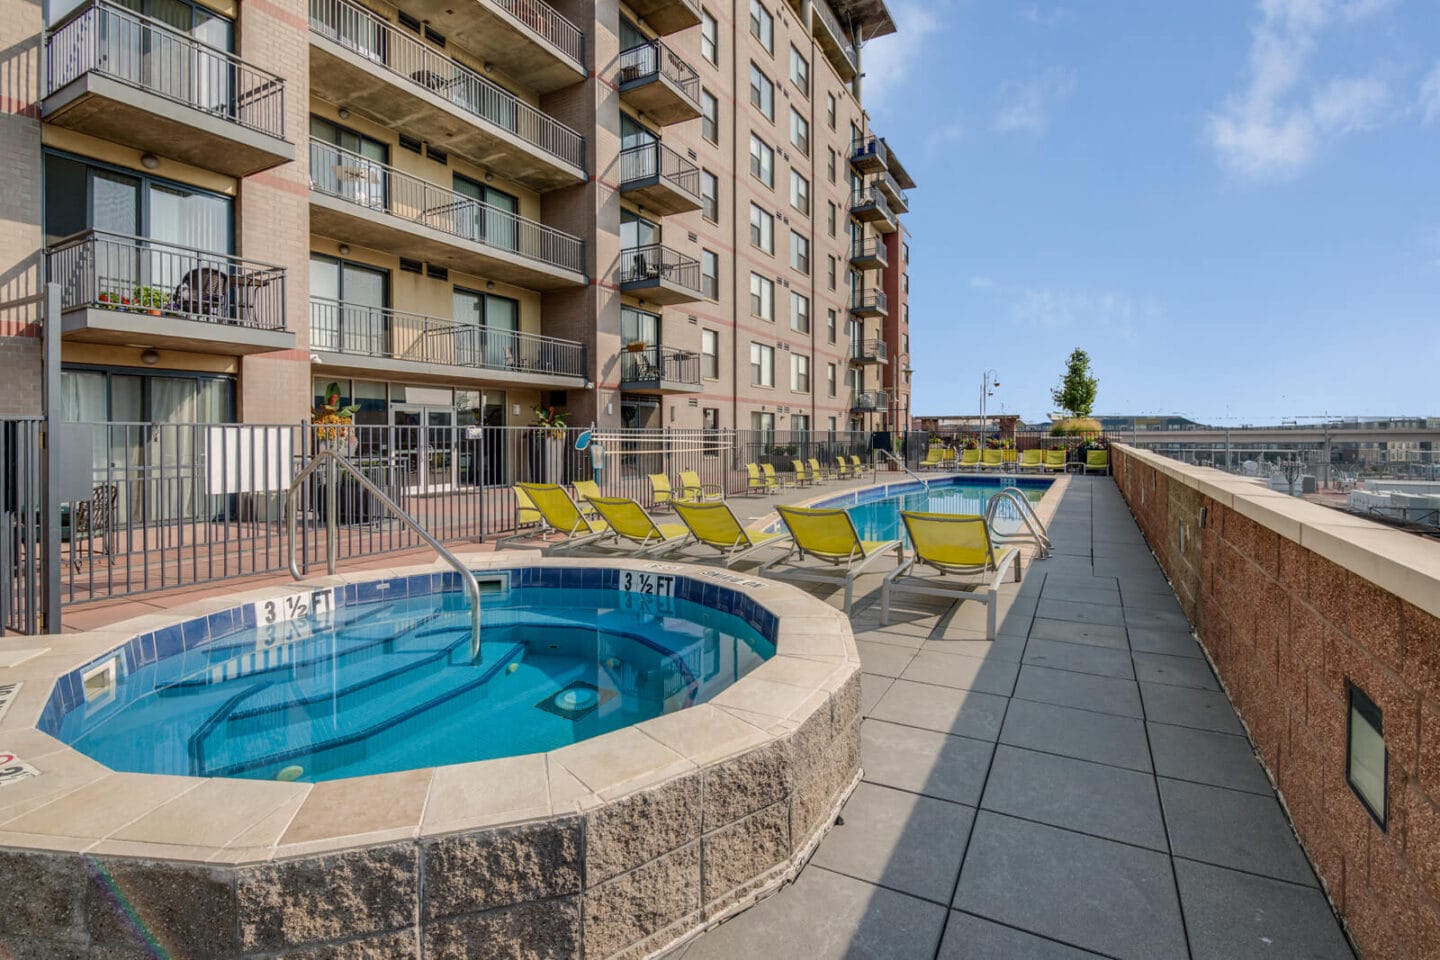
x=1287 y=629
x=20 y=236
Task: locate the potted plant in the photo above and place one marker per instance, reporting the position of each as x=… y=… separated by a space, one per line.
x=150 y=299
x=551 y=426
x=333 y=419
x=114 y=301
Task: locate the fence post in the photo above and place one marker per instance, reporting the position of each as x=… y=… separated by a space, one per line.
x=50 y=462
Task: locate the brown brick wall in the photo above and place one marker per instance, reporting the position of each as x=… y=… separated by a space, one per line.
x=20 y=239
x=1286 y=629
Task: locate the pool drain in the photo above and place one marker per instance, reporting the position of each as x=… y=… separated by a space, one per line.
x=575 y=700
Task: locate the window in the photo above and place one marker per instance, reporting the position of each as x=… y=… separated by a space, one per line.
x=830 y=382
x=800 y=72
x=800 y=423
x=905 y=281
x=709 y=37
x=762 y=25
x=830 y=110
x=799 y=373
x=710 y=274
x=830 y=271
x=762 y=229
x=762 y=365
x=907 y=253
x=830 y=164
x=762 y=92
x=762 y=297
x=830 y=325
x=799 y=312
x=799 y=252
x=832 y=428
x=710 y=420
x=799 y=192
x=709 y=196
x=764 y=425
x=799 y=132
x=830 y=210
x=709 y=116
x=710 y=354
x=762 y=161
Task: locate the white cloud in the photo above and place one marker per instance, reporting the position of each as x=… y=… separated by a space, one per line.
x=1110 y=313
x=1025 y=105
x=890 y=59
x=1430 y=95
x=1052 y=17
x=941 y=138
x=981 y=283
x=1273 y=129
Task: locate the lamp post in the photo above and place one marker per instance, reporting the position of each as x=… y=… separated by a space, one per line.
x=988 y=381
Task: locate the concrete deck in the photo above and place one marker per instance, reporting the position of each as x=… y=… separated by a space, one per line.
x=1079 y=787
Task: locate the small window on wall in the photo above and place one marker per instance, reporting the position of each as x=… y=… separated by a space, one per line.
x=1367 y=760
x=709 y=37
x=710 y=354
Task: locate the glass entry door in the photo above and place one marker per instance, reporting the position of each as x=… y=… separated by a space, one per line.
x=425 y=446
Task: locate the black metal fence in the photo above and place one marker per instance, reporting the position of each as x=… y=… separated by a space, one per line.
x=22 y=534
x=651 y=161
x=653 y=57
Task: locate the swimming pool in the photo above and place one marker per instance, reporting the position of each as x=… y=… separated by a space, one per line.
x=876 y=510
x=379 y=677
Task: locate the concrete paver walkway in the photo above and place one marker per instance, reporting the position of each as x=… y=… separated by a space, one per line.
x=1078 y=788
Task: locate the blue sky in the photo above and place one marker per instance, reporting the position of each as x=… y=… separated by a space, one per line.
x=1233 y=205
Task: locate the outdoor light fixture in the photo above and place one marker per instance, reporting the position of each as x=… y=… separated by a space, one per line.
x=150 y=357
x=344 y=114
x=489 y=284
x=149 y=161
x=344 y=249
x=1366 y=760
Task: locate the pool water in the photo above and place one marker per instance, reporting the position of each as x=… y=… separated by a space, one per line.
x=372 y=687
x=876 y=511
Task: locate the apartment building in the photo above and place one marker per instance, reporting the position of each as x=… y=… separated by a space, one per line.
x=656 y=213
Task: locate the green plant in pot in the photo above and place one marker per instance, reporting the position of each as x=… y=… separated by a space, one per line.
x=150 y=299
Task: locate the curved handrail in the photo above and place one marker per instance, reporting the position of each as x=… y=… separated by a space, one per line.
x=1026 y=509
x=901 y=464
x=472 y=588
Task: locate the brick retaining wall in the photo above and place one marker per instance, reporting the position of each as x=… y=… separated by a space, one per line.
x=1292 y=601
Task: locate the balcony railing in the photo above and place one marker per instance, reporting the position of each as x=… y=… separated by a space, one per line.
x=659 y=365
x=656 y=262
x=114 y=271
x=355 y=329
x=149 y=55
x=869 y=150
x=654 y=57
x=869 y=300
x=652 y=160
x=886 y=183
x=377 y=186
x=871 y=248
x=841 y=39
x=870 y=196
x=868 y=350
x=550 y=24
x=871 y=400
x=368 y=36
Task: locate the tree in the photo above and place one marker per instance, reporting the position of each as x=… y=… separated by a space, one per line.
x=1076 y=393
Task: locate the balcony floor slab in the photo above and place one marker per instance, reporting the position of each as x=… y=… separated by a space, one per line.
x=96 y=325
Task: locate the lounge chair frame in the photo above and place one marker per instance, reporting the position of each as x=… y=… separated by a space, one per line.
x=854 y=564
x=991 y=575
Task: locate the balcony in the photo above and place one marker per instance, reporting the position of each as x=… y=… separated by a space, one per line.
x=869 y=254
x=667 y=16
x=897 y=169
x=120 y=289
x=868 y=303
x=869 y=155
x=870 y=401
x=894 y=196
x=659 y=274
x=357 y=200
x=868 y=205
x=863 y=352
x=647 y=369
x=659 y=179
x=528 y=39
x=663 y=87
x=365 y=64
x=834 y=40
x=119 y=76
x=379 y=340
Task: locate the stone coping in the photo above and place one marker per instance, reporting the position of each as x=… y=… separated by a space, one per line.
x=76 y=804
x=1397 y=562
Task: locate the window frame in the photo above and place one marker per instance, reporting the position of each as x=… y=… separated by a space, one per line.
x=762 y=297
x=710 y=282
x=709 y=202
x=762 y=161
x=803 y=82
x=799 y=312
x=799 y=132
x=799 y=252
x=762 y=364
x=797 y=361
x=799 y=189
x=762 y=26
x=709 y=35
x=762 y=229
x=709 y=359
x=762 y=92
x=710 y=118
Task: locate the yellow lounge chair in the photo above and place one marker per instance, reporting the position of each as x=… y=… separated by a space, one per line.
x=933 y=458
x=1032 y=460
x=775 y=478
x=559 y=514
x=818 y=471
x=525 y=513
x=696 y=492
x=585 y=490
x=801 y=477
x=844 y=470
x=754 y=481
x=970 y=457
x=715 y=525
x=951 y=544
x=1097 y=461
x=829 y=535
x=628 y=519
x=992 y=459
x=1054 y=461
x=856 y=466
x=1010 y=455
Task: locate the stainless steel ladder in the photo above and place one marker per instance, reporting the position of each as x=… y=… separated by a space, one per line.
x=336 y=463
x=900 y=463
x=1026 y=511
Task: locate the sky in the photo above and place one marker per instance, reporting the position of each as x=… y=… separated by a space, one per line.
x=1232 y=205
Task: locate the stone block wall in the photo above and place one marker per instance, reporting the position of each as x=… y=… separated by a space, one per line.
x=1292 y=602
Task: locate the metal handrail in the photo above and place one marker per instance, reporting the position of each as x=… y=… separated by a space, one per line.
x=1026 y=509
x=900 y=463
x=335 y=461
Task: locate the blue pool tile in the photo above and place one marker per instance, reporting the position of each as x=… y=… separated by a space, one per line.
x=168 y=641
x=196 y=632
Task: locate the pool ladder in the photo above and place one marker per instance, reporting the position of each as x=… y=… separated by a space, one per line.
x=1026 y=510
x=901 y=464
x=334 y=464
